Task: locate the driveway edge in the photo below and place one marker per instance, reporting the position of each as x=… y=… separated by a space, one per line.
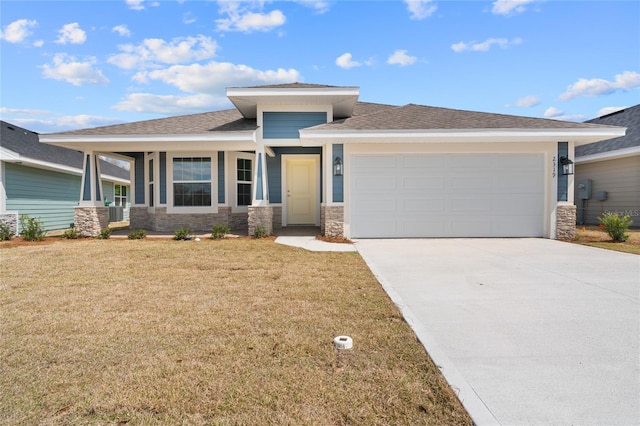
x=478 y=411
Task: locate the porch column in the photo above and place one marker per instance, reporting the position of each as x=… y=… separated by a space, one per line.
x=260 y=212
x=91 y=215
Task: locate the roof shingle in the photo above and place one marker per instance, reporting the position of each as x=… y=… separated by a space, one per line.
x=629 y=118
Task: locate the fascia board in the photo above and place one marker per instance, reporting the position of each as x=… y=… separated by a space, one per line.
x=609 y=155
x=261 y=92
x=8 y=155
x=578 y=136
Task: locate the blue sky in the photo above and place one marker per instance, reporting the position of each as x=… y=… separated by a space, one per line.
x=75 y=64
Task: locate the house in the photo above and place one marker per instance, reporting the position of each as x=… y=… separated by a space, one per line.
x=607 y=173
x=43 y=181
x=306 y=154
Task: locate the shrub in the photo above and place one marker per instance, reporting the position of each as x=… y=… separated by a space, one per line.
x=5 y=232
x=137 y=234
x=32 y=229
x=220 y=231
x=72 y=233
x=182 y=233
x=615 y=225
x=104 y=234
x=260 y=232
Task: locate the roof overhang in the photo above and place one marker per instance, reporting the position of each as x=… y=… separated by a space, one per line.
x=246 y=99
x=220 y=141
x=577 y=136
x=609 y=155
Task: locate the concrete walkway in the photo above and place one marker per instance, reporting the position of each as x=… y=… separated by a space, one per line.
x=527 y=331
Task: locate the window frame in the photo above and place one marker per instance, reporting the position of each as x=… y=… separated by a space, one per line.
x=213 y=158
x=232 y=187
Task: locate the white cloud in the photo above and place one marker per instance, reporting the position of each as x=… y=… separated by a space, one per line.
x=154 y=51
x=71 y=33
x=484 y=46
x=609 y=110
x=420 y=9
x=553 y=112
x=241 y=17
x=67 y=68
x=510 y=7
x=526 y=102
x=597 y=86
x=345 y=61
x=319 y=6
x=188 y=18
x=401 y=58
x=215 y=77
x=135 y=4
x=170 y=104
x=122 y=30
x=5 y=110
x=557 y=114
x=17 y=31
x=38 y=43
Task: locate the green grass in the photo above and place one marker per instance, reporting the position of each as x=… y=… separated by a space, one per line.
x=211 y=332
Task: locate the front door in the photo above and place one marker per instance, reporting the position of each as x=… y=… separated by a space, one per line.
x=302 y=190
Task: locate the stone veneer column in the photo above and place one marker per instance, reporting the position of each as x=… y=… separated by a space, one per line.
x=260 y=216
x=11 y=220
x=332 y=221
x=566 y=222
x=91 y=220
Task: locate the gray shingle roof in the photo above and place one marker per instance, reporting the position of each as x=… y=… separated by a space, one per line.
x=26 y=143
x=629 y=118
x=296 y=85
x=415 y=117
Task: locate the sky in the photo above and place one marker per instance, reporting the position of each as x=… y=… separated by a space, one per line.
x=68 y=65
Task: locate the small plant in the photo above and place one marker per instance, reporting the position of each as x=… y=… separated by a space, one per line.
x=616 y=226
x=104 y=234
x=32 y=228
x=260 y=232
x=5 y=232
x=219 y=231
x=182 y=233
x=137 y=234
x=72 y=233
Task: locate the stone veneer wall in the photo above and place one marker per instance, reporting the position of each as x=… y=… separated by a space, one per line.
x=332 y=221
x=161 y=221
x=277 y=217
x=91 y=220
x=11 y=220
x=566 y=222
x=260 y=216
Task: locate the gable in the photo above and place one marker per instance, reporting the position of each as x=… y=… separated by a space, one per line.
x=285 y=125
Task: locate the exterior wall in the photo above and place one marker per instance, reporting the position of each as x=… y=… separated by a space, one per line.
x=620 y=178
x=260 y=216
x=91 y=220
x=277 y=217
x=285 y=125
x=11 y=220
x=566 y=222
x=161 y=221
x=332 y=221
x=274 y=169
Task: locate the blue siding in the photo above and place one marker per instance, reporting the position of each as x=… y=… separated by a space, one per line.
x=48 y=195
x=338 y=181
x=259 y=193
x=86 y=195
x=285 y=125
x=274 y=170
x=163 y=178
x=563 y=181
x=221 y=195
x=138 y=174
x=95 y=173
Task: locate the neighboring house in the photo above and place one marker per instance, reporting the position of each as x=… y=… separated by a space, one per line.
x=304 y=154
x=43 y=181
x=608 y=172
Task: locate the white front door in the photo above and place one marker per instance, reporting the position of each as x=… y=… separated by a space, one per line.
x=301 y=190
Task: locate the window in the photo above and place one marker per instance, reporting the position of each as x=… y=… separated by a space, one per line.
x=244 y=178
x=151 y=200
x=192 y=182
x=120 y=196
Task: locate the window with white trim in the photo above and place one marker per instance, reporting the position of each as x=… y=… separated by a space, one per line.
x=244 y=179
x=120 y=195
x=192 y=183
x=151 y=182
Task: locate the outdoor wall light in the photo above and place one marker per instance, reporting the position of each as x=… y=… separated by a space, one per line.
x=567 y=166
x=337 y=167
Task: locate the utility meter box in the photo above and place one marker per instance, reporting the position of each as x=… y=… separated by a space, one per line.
x=584 y=189
x=601 y=195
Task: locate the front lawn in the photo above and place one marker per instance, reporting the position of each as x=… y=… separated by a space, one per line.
x=211 y=332
x=596 y=237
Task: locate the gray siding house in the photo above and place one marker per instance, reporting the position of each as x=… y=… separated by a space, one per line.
x=44 y=181
x=307 y=154
x=608 y=172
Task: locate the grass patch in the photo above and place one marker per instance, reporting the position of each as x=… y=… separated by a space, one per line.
x=596 y=237
x=215 y=332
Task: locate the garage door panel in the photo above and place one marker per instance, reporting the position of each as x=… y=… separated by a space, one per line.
x=446 y=195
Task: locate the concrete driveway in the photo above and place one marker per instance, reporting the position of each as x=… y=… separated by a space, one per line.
x=527 y=331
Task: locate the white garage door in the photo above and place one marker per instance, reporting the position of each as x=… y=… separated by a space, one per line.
x=446 y=195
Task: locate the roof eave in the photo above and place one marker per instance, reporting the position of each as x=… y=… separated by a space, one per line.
x=608 y=155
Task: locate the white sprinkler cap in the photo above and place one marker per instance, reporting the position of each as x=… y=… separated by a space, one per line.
x=343 y=342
